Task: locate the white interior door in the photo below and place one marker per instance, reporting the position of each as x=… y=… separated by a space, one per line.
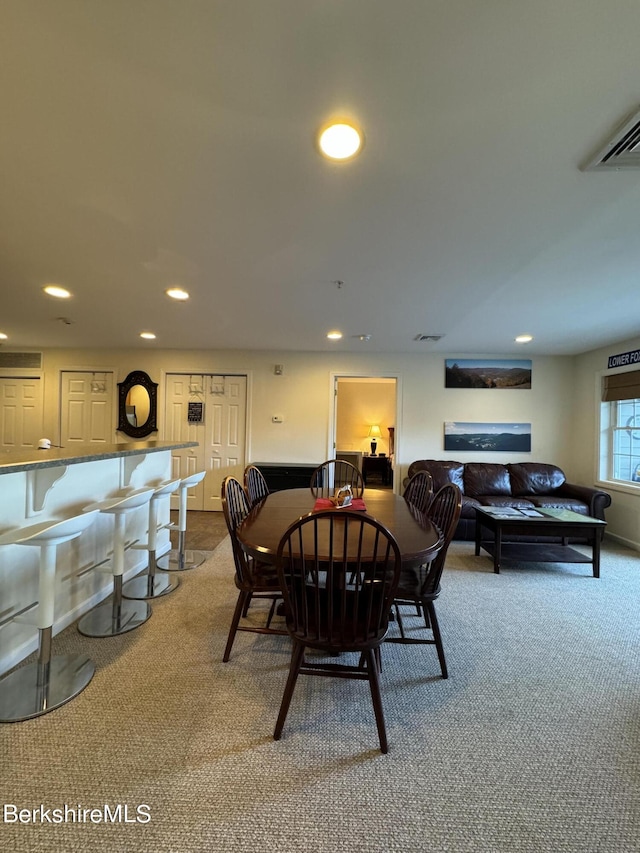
x=221 y=434
x=21 y=412
x=225 y=435
x=178 y=428
x=87 y=414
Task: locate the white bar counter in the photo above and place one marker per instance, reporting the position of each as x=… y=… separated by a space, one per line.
x=37 y=485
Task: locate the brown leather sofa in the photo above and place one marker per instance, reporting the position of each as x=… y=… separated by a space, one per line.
x=520 y=485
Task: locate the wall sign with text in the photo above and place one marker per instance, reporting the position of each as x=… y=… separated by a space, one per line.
x=624 y=358
x=195 y=414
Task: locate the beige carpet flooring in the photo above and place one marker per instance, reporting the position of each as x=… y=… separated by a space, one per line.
x=533 y=743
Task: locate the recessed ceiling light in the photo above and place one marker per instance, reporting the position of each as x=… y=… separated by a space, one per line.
x=524 y=339
x=334 y=336
x=177 y=293
x=148 y=336
x=57 y=291
x=340 y=141
x=362 y=337
x=3 y=337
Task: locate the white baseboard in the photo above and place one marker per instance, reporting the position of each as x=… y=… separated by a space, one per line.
x=628 y=542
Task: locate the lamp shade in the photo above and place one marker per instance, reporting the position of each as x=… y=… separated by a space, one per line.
x=374 y=431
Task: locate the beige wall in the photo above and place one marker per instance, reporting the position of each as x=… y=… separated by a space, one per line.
x=303 y=396
x=361 y=404
x=623 y=517
x=562 y=405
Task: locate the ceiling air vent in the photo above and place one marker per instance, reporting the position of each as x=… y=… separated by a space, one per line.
x=622 y=151
x=432 y=338
x=29 y=360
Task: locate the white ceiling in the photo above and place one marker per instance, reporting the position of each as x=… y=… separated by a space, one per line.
x=145 y=143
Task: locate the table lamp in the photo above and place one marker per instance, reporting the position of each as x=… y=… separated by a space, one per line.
x=374 y=435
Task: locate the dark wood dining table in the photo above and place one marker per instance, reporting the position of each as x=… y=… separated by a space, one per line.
x=261 y=531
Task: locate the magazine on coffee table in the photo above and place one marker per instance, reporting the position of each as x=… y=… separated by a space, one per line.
x=511 y=512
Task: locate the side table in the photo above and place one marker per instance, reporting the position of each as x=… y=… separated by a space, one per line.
x=377 y=466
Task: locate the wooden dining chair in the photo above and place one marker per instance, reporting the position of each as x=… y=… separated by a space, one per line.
x=338 y=571
x=253 y=579
x=419 y=493
x=334 y=474
x=419 y=490
x=420 y=586
x=255 y=485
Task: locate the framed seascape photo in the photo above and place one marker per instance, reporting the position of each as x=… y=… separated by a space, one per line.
x=459 y=436
x=487 y=373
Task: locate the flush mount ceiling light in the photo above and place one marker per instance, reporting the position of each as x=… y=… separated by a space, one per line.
x=177 y=293
x=148 y=336
x=340 y=141
x=334 y=336
x=523 y=339
x=57 y=291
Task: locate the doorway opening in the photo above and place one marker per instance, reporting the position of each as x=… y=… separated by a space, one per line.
x=365 y=426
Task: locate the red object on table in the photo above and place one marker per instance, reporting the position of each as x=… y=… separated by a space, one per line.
x=327 y=503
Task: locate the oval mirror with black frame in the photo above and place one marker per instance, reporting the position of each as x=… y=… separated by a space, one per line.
x=137 y=405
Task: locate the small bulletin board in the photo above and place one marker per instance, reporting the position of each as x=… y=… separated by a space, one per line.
x=195 y=414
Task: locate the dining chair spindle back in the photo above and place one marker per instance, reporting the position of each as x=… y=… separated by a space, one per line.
x=334 y=474
x=253 y=579
x=338 y=570
x=420 y=586
x=255 y=485
x=419 y=490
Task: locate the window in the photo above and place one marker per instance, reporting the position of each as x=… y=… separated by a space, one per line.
x=620 y=427
x=625 y=419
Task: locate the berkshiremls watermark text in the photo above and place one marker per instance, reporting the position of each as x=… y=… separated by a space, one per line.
x=77 y=813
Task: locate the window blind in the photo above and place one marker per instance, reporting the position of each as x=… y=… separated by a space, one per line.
x=621 y=386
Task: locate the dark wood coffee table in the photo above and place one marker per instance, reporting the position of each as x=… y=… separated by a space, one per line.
x=561 y=523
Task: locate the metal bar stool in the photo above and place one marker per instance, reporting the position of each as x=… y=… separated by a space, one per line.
x=151 y=583
x=180 y=559
x=117 y=616
x=39 y=687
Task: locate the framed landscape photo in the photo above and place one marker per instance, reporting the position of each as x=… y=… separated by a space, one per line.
x=487 y=373
x=487 y=437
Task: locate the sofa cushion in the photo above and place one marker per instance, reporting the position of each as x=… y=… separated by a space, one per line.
x=553 y=502
x=442 y=472
x=485 y=478
x=469 y=507
x=533 y=478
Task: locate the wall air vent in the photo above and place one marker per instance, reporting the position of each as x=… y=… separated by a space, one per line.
x=431 y=338
x=622 y=151
x=28 y=360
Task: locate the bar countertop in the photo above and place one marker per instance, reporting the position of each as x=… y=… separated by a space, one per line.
x=27 y=460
